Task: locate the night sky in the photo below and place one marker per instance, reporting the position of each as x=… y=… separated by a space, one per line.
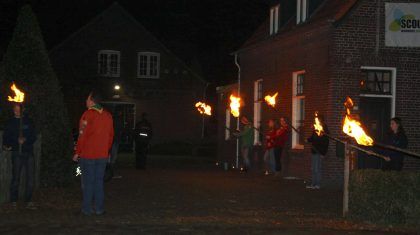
x=205 y=31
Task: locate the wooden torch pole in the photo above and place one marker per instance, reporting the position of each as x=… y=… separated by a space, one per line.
x=20 y=127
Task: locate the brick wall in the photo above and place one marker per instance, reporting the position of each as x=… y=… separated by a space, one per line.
x=355 y=46
x=275 y=62
x=331 y=54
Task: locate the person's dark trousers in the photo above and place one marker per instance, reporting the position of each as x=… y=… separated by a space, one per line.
x=20 y=161
x=277 y=157
x=93 y=171
x=395 y=164
x=141 y=155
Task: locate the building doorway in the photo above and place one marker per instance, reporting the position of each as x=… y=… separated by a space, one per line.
x=124 y=114
x=377 y=107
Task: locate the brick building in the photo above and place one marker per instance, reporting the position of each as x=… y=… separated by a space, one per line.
x=315 y=53
x=137 y=73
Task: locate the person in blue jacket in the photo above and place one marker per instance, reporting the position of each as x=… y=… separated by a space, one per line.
x=19 y=137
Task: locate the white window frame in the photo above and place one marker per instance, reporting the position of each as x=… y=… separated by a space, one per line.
x=295 y=100
x=274 y=19
x=108 y=53
x=227 y=125
x=257 y=112
x=393 y=94
x=148 y=54
x=302 y=11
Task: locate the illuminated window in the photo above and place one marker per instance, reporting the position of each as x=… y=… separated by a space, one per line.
x=148 y=65
x=298 y=117
x=302 y=11
x=274 y=19
x=109 y=63
x=377 y=82
x=227 y=125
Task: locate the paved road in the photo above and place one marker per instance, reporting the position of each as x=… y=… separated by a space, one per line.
x=189 y=197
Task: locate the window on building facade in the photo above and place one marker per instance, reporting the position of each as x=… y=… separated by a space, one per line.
x=258 y=99
x=148 y=65
x=227 y=125
x=298 y=117
x=302 y=11
x=274 y=19
x=378 y=82
x=109 y=63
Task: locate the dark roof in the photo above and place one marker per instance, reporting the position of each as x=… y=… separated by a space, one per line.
x=118 y=7
x=329 y=11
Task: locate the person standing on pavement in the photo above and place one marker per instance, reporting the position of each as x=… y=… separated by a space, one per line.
x=319 y=150
x=247 y=140
x=118 y=129
x=269 y=147
x=396 y=137
x=19 y=136
x=143 y=133
x=280 y=137
x=95 y=139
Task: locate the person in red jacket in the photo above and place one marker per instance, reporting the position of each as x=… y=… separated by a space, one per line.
x=281 y=137
x=269 y=147
x=96 y=134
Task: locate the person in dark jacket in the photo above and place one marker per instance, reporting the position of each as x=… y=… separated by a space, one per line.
x=118 y=130
x=19 y=137
x=319 y=149
x=396 y=137
x=142 y=135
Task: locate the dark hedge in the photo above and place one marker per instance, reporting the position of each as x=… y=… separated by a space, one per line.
x=26 y=63
x=385 y=197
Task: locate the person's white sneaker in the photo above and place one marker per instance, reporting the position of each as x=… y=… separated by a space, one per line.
x=310 y=187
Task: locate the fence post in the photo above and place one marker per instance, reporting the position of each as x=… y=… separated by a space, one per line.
x=347 y=153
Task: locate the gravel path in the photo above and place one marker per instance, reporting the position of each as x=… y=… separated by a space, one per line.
x=178 y=196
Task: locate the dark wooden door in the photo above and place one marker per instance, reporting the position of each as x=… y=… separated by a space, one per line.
x=375 y=114
x=124 y=113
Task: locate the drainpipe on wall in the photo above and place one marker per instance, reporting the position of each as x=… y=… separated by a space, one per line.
x=378 y=21
x=237 y=119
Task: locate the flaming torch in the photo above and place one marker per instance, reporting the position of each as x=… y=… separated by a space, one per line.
x=203 y=108
x=235 y=105
x=319 y=130
x=354 y=128
x=19 y=98
x=271 y=100
x=19 y=95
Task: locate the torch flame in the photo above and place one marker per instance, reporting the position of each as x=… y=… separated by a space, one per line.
x=354 y=128
x=271 y=100
x=235 y=105
x=19 y=96
x=319 y=130
x=203 y=108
